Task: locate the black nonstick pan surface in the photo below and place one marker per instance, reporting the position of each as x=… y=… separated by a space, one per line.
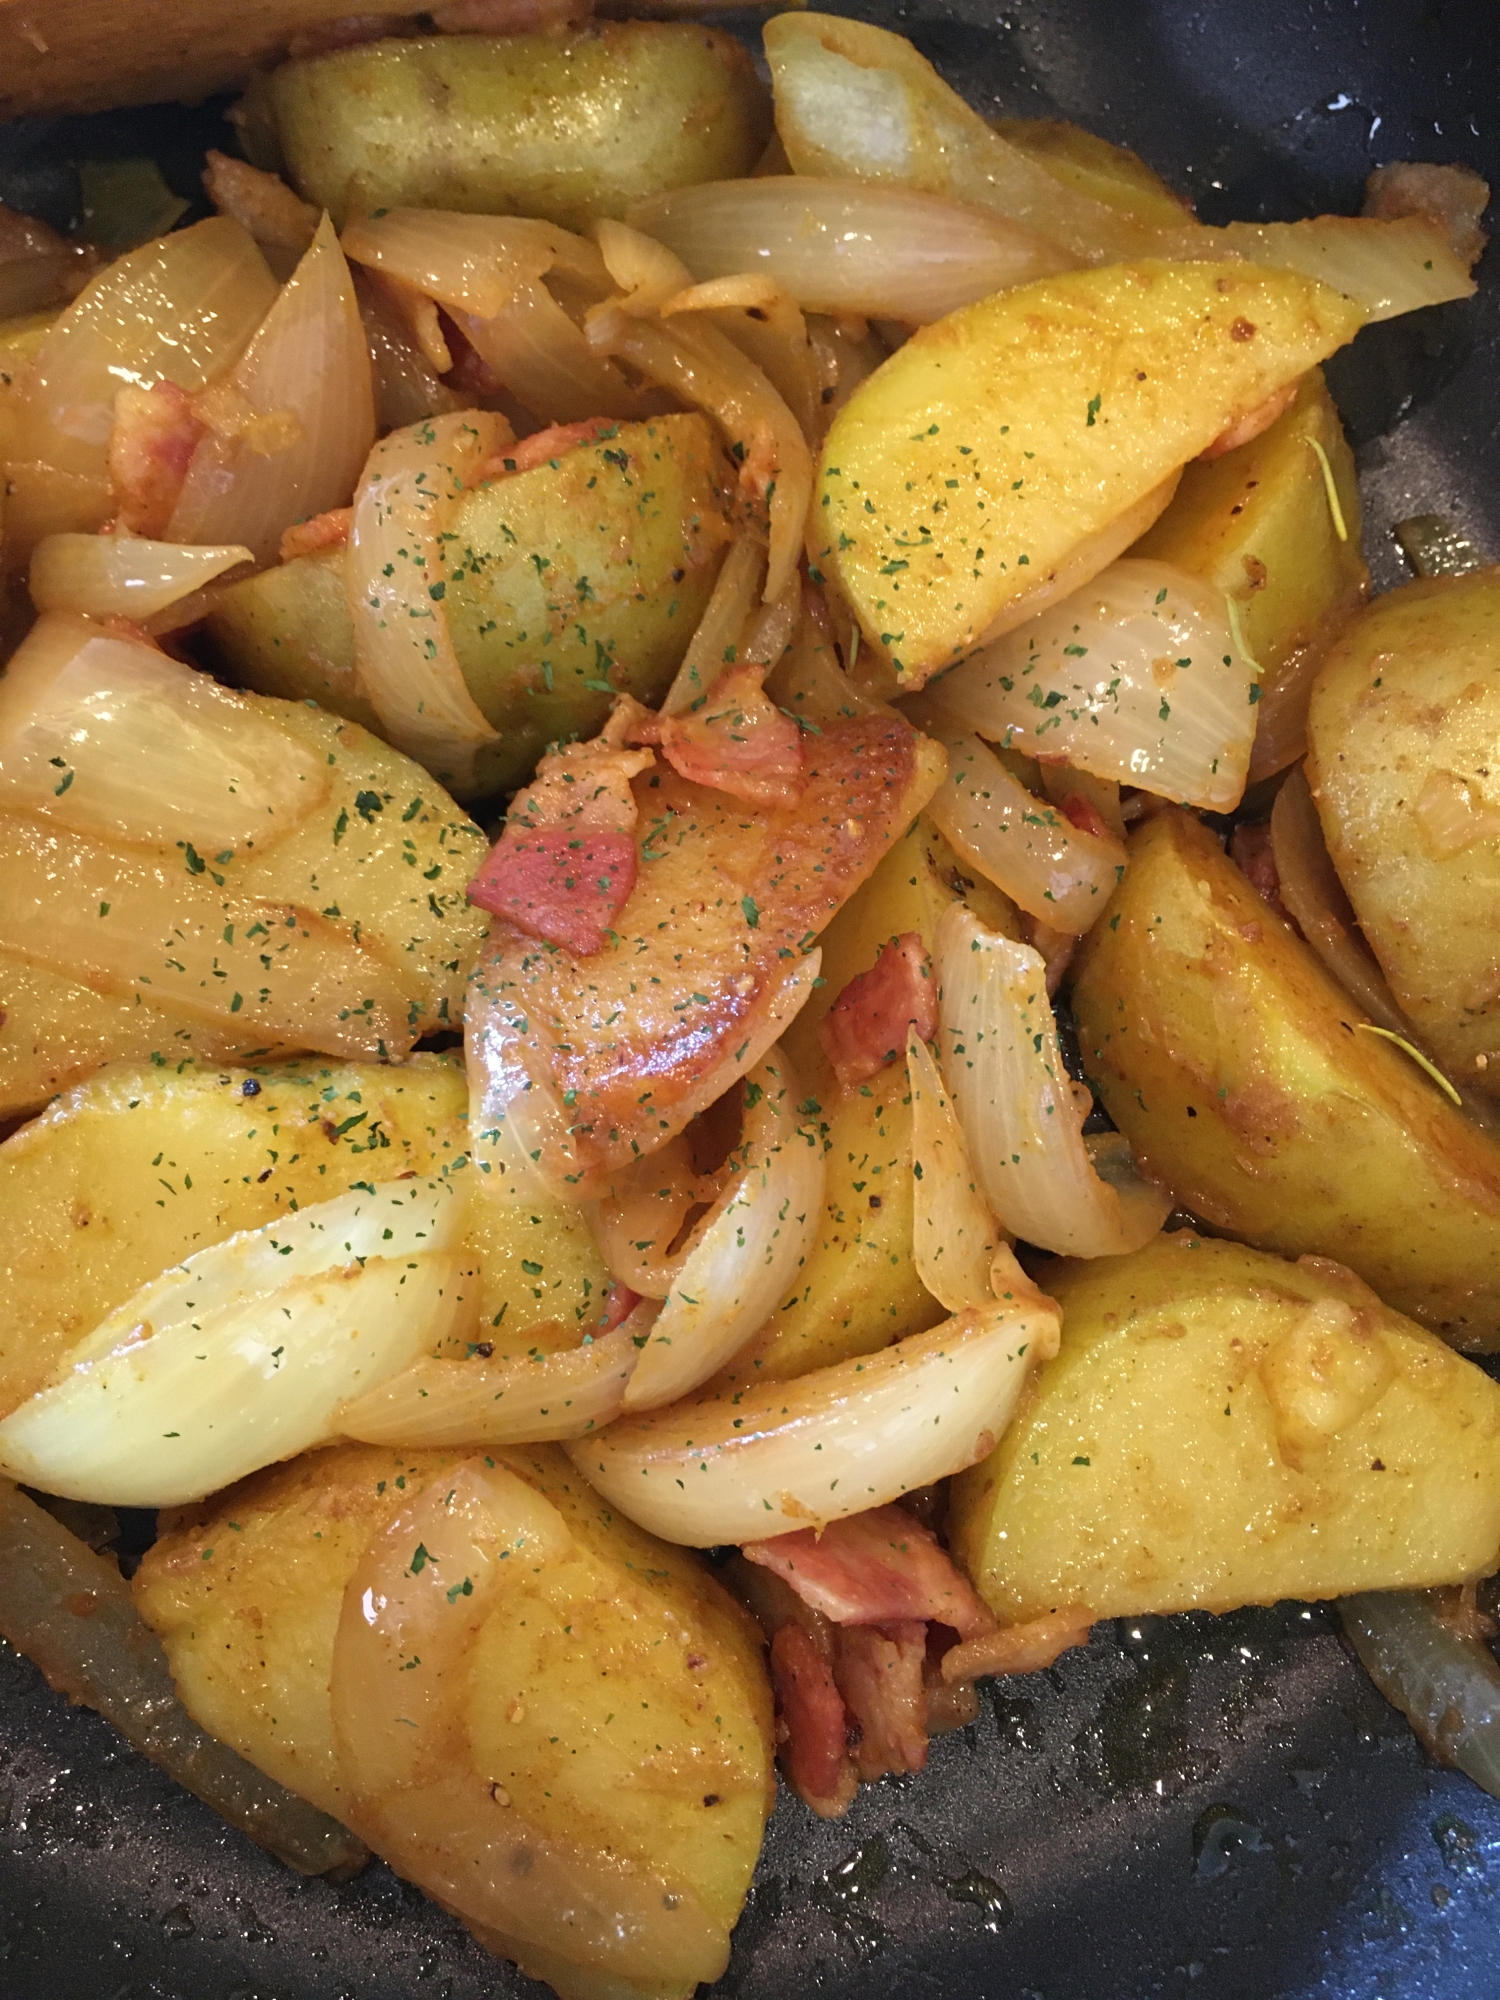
x=1216 y=1807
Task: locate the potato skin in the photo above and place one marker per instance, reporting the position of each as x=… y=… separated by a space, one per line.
x=570 y=129
x=649 y=1723
x=585 y=575
x=1231 y=1062
x=1200 y=1440
x=142 y=1166
x=1257 y=525
x=1402 y=731
x=967 y=468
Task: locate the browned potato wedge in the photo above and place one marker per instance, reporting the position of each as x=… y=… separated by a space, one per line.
x=1257 y=524
x=617 y=1697
x=569 y=128
x=1222 y=1428
x=133 y=1171
x=1403 y=734
x=1080 y=159
x=1241 y=1076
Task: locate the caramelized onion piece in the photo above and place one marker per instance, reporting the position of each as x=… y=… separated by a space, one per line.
x=401 y=1666
x=70 y=1611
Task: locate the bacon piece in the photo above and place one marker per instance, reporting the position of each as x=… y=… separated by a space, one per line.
x=865 y=1029
x=544 y=445
x=1019 y=1649
x=878 y=1671
x=1253 y=422
x=814 y=1752
x=323 y=531
x=873 y=1569
x=1251 y=851
x=1085 y=815
x=736 y=741
x=151 y=445
x=619 y=1303
x=621 y=1052
x=566 y=863
x=508 y=17
x=261 y=203
x=1452 y=197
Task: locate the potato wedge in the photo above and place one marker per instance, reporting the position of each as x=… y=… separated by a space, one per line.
x=579 y=579
x=569 y=128
x=1092 y=166
x=859 y=1289
x=133 y=1171
x=962 y=476
x=1402 y=735
x=617 y=1697
x=1222 y=1428
x=1237 y=1070
x=1257 y=524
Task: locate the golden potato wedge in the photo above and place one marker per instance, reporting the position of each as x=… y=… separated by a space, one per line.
x=617 y=1697
x=568 y=584
x=1081 y=160
x=1258 y=525
x=132 y=1172
x=858 y=1289
x=569 y=128
x=960 y=478
x=1403 y=733
x=1222 y=1428
x=1238 y=1071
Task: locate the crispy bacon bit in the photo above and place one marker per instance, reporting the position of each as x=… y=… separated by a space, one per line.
x=814 y=1751
x=567 y=860
x=736 y=741
x=471 y=376
x=872 y=1569
x=1251 y=851
x=1086 y=816
x=865 y=1029
x=151 y=446
x=878 y=1671
x=323 y=531
x=1019 y=1649
x=1452 y=197
x=1253 y=422
x=543 y=445
x=261 y=203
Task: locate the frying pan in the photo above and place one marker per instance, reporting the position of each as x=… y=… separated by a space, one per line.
x=1209 y=1806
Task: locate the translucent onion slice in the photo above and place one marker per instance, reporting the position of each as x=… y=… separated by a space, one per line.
x=735 y=594
x=397 y=574
x=242 y=1355
x=1136 y=677
x=112 y=576
x=177 y=310
x=544 y=359
x=407 y=388
x=954 y=1236
x=71 y=1612
x=133 y=923
x=1056 y=871
x=473 y=262
x=849 y=246
x=308 y=369
x=644 y=271
x=526 y=1401
x=1390 y=267
x=705 y=368
x=745 y=1254
x=1447 y=1685
x=747 y=1464
x=399 y=1689
x=1314 y=898
x=1021 y=1113
x=111 y=737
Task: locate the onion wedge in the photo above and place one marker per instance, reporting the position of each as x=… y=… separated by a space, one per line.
x=243 y=1354
x=747 y=1250
x=1445 y=1683
x=1059 y=873
x=955 y=1240
x=1135 y=677
x=401 y=1667
x=1021 y=1114
x=741 y=1466
x=397 y=570
x=109 y=576
x=293 y=422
